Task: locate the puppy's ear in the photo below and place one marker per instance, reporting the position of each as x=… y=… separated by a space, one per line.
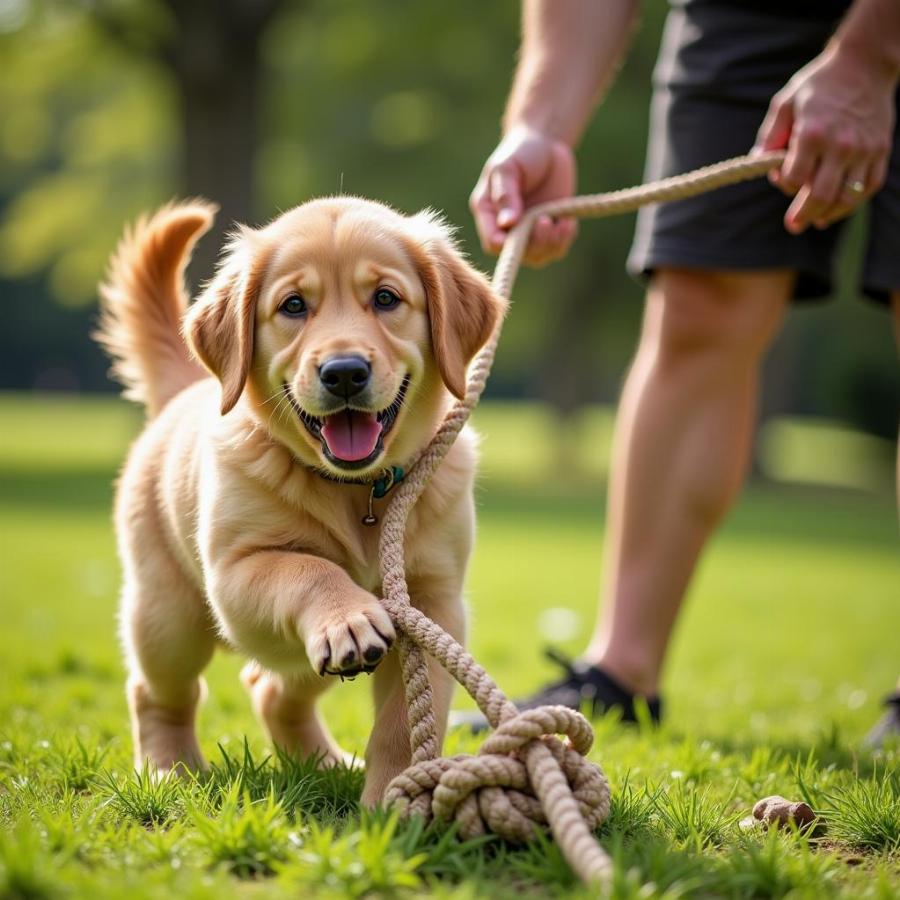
x=462 y=306
x=219 y=326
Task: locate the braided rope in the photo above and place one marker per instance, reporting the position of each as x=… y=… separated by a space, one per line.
x=523 y=777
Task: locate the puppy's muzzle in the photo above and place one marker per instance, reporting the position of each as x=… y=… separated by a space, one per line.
x=345 y=376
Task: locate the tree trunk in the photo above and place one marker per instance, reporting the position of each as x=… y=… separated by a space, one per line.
x=220 y=130
x=215 y=59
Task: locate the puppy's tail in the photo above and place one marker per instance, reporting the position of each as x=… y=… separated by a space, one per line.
x=142 y=302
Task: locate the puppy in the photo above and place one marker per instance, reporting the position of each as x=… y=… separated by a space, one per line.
x=336 y=337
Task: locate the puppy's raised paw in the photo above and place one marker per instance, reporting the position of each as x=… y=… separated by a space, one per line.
x=352 y=641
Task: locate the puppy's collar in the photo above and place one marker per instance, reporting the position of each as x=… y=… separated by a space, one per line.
x=378 y=487
x=381 y=487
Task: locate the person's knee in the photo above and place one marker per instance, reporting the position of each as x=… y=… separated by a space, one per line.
x=730 y=318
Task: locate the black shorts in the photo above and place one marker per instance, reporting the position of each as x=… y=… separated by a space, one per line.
x=719 y=66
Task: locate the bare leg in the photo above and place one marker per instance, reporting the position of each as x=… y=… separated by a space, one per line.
x=681 y=449
x=287 y=709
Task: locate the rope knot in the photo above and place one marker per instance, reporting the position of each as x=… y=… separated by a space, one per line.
x=500 y=790
x=524 y=777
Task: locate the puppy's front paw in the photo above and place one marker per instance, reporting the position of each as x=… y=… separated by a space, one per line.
x=351 y=640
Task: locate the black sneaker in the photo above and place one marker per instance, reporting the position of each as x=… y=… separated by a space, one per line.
x=888 y=726
x=583 y=687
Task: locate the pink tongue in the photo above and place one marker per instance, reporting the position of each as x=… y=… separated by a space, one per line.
x=351 y=435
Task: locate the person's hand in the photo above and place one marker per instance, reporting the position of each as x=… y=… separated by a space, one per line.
x=836 y=119
x=526 y=168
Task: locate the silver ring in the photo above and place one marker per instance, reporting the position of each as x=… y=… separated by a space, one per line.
x=855 y=187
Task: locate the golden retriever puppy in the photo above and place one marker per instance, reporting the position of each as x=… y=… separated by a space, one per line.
x=336 y=338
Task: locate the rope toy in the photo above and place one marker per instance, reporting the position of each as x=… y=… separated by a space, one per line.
x=524 y=777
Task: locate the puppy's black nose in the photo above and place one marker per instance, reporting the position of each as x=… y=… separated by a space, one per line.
x=345 y=376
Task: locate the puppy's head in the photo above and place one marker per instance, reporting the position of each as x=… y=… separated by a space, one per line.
x=346 y=326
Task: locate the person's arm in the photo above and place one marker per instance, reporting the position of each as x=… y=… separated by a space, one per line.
x=836 y=118
x=570 y=52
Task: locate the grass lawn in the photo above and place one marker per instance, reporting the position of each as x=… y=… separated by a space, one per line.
x=787 y=645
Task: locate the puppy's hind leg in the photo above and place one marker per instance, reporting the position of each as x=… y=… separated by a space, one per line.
x=169 y=639
x=286 y=706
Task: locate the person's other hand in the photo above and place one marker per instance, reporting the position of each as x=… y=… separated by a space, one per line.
x=526 y=168
x=836 y=119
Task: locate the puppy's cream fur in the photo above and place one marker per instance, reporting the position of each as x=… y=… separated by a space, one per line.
x=227 y=531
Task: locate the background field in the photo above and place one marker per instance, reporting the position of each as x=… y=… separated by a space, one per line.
x=112 y=107
x=788 y=643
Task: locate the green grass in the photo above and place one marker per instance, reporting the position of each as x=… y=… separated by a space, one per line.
x=786 y=646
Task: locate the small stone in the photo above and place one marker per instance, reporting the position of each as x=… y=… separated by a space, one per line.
x=778 y=811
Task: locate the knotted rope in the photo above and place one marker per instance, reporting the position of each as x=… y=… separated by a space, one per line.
x=523 y=777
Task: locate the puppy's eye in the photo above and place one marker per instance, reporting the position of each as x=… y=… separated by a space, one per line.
x=293 y=306
x=385 y=298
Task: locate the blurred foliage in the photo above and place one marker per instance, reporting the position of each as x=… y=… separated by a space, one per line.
x=398 y=101
x=86 y=142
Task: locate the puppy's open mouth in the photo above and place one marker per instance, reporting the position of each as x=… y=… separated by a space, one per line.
x=352 y=438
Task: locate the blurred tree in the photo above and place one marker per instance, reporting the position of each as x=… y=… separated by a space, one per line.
x=87 y=140
x=209 y=53
x=113 y=106
x=217 y=64
x=211 y=49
